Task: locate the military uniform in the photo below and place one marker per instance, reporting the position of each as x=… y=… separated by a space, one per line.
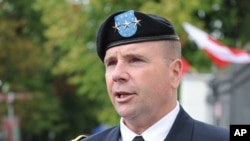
x=185 y=128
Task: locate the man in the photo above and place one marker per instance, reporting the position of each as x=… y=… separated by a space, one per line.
x=142 y=57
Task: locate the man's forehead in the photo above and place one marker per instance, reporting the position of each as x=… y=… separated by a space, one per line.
x=150 y=48
x=132 y=48
x=125 y=50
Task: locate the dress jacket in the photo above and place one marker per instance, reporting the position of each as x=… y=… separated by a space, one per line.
x=185 y=128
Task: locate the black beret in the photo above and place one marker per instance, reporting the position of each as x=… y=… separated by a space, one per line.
x=126 y=27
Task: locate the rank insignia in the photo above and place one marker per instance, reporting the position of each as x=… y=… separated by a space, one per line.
x=126 y=23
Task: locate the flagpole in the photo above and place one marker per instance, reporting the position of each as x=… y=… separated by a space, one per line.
x=10 y=122
x=10 y=108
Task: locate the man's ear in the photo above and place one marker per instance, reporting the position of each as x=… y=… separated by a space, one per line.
x=176 y=72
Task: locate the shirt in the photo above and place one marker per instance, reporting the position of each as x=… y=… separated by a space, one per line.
x=156 y=132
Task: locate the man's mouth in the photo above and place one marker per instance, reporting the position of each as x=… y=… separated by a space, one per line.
x=123 y=96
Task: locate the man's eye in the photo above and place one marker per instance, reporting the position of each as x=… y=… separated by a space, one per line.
x=133 y=60
x=110 y=63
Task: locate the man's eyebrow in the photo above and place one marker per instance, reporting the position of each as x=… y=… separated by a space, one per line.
x=106 y=59
x=132 y=54
x=125 y=55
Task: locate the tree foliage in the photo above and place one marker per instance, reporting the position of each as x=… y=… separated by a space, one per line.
x=24 y=69
x=228 y=21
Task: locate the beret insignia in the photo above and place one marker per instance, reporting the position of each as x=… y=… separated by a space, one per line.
x=126 y=23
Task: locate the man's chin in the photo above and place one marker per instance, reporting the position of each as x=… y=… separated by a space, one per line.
x=125 y=114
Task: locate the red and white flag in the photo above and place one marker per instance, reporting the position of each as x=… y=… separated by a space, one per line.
x=220 y=54
x=186 y=66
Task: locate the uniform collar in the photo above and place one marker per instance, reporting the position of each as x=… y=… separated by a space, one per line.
x=162 y=127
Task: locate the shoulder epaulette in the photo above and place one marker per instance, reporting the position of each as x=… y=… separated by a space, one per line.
x=78 y=138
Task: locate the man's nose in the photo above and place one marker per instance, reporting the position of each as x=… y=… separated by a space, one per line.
x=120 y=72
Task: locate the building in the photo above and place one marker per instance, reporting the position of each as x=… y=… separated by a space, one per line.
x=231 y=94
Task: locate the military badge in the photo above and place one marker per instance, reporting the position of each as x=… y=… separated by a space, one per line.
x=78 y=138
x=126 y=23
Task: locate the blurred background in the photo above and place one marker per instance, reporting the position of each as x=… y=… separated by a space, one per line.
x=52 y=83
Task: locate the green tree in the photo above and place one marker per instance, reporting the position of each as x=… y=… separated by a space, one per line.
x=73 y=64
x=24 y=68
x=232 y=29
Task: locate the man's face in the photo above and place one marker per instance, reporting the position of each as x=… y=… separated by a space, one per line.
x=139 y=79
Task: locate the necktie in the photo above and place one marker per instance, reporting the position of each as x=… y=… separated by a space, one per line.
x=138 y=138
